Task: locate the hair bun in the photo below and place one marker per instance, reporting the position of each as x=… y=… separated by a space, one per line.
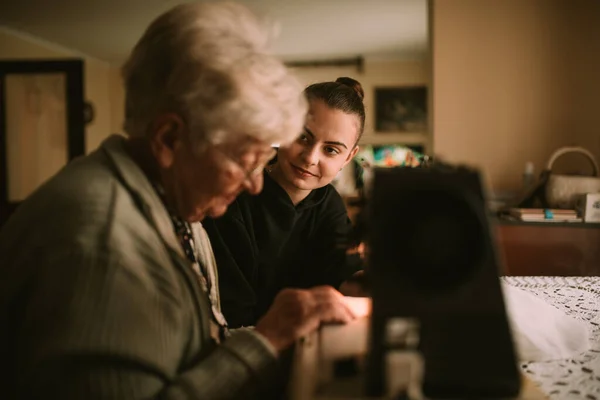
x=353 y=84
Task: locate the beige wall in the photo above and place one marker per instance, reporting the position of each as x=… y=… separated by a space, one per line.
x=513 y=80
x=376 y=73
x=97 y=76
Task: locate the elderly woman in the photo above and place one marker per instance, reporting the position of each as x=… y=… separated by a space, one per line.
x=108 y=287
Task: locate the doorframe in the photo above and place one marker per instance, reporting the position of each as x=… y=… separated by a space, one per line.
x=74 y=96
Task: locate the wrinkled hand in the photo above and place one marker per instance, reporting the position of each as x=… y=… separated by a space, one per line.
x=295 y=313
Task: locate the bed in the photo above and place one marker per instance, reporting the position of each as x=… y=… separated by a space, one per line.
x=579 y=377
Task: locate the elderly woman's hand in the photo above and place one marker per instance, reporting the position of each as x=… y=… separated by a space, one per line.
x=296 y=313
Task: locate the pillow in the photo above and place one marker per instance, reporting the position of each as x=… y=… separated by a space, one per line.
x=542 y=332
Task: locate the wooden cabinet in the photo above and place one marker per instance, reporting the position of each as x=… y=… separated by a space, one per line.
x=542 y=248
x=559 y=249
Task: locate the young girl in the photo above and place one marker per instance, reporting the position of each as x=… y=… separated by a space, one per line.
x=295 y=232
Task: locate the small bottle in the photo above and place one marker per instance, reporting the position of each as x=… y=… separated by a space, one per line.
x=528 y=176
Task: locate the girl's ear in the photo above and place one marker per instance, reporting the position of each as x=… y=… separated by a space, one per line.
x=351 y=156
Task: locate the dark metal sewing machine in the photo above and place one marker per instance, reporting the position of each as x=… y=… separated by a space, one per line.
x=432 y=266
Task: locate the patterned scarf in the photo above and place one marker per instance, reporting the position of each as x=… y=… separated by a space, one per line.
x=196 y=246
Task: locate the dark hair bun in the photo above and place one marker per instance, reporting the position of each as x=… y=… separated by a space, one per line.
x=354 y=84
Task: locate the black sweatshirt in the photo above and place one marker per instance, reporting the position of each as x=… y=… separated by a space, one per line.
x=264 y=244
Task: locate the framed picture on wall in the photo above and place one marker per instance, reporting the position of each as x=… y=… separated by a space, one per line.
x=401 y=109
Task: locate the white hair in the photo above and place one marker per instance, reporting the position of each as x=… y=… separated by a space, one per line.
x=209 y=62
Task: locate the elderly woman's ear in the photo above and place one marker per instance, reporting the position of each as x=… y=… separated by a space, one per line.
x=167 y=134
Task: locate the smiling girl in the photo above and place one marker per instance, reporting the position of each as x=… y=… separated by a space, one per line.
x=295 y=232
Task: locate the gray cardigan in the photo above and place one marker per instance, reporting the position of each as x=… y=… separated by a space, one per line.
x=97 y=300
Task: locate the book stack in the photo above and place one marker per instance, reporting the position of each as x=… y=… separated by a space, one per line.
x=544 y=215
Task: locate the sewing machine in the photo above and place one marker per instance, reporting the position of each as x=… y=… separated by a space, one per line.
x=329 y=365
x=438 y=326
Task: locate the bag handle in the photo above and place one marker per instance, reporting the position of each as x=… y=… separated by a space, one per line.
x=564 y=150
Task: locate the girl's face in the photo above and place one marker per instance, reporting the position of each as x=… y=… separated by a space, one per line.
x=324 y=148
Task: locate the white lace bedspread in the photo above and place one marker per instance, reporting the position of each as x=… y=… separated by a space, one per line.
x=579 y=377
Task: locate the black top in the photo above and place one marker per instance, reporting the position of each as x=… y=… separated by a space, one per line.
x=264 y=244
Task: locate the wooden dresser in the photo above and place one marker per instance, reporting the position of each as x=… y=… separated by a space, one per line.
x=541 y=248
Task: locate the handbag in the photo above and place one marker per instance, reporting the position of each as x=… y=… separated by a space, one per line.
x=562 y=190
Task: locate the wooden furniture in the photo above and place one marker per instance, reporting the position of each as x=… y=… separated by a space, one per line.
x=541 y=248
x=548 y=249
